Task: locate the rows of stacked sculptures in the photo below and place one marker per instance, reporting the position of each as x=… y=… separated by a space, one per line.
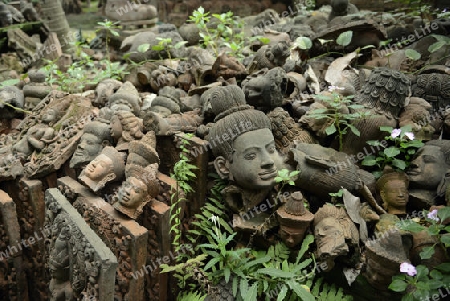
x=96 y=164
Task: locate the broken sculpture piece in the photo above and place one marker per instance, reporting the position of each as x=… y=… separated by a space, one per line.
x=106 y=167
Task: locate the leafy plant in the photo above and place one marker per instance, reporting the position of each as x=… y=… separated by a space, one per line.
x=182 y=174
x=257 y=274
x=286 y=177
x=325 y=292
x=418 y=283
x=228 y=31
x=336 y=105
x=191 y=296
x=166 y=44
x=433 y=227
x=441 y=42
x=398 y=153
x=345 y=38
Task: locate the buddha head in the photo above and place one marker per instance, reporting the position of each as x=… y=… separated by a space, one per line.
x=106 y=167
x=242 y=141
x=96 y=135
x=393 y=190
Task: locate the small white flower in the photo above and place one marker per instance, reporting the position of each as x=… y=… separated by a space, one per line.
x=214 y=219
x=395 y=133
x=334 y=88
x=410 y=135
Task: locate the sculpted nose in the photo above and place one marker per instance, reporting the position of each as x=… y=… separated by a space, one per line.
x=267 y=160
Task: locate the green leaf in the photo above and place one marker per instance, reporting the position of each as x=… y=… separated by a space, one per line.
x=412 y=226
x=400 y=164
x=386 y=129
x=179 y=44
x=369 y=161
x=301 y=292
x=391 y=152
x=436 y=46
x=330 y=130
x=305 y=245
x=227 y=274
x=398 y=285
x=303 y=42
x=445 y=239
x=412 y=54
x=427 y=252
x=243 y=286
x=264 y=40
x=282 y=293
x=115 y=33
x=211 y=263
x=252 y=293
x=235 y=286
x=444 y=213
x=354 y=130
x=345 y=38
x=275 y=273
x=368 y=46
x=444 y=267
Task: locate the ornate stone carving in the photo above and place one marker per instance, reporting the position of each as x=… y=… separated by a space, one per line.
x=125 y=127
x=393 y=190
x=434 y=88
x=270 y=56
x=81 y=265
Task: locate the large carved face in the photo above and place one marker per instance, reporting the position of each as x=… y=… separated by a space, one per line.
x=101 y=166
x=88 y=148
x=427 y=170
x=255 y=160
x=330 y=238
x=49 y=116
x=395 y=195
x=132 y=193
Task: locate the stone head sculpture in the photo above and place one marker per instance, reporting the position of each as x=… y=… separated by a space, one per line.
x=141 y=183
x=106 y=167
x=393 y=190
x=137 y=190
x=96 y=135
x=335 y=233
x=125 y=127
x=125 y=99
x=242 y=141
x=294 y=220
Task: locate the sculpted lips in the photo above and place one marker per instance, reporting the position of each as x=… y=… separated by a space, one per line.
x=267 y=175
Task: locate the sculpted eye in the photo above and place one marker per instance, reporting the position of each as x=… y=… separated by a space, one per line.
x=250 y=156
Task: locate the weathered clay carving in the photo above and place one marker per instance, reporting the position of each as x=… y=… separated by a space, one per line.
x=104 y=90
x=294 y=220
x=125 y=99
x=96 y=135
x=10 y=95
x=393 y=190
x=265 y=88
x=125 y=127
x=335 y=234
x=106 y=167
x=417 y=114
x=228 y=67
x=36 y=90
x=427 y=174
x=434 y=88
x=342 y=8
x=270 y=56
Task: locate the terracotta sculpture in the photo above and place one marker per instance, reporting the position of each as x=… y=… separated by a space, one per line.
x=96 y=135
x=270 y=56
x=125 y=127
x=427 y=174
x=106 y=167
x=434 y=88
x=393 y=190
x=384 y=96
x=104 y=90
x=265 y=88
x=125 y=99
x=383 y=259
x=417 y=114
x=294 y=220
x=335 y=234
x=141 y=183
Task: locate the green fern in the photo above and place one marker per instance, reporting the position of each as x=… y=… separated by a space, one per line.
x=328 y=292
x=191 y=296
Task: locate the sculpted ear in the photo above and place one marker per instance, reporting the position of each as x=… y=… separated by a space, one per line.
x=222 y=167
x=106 y=143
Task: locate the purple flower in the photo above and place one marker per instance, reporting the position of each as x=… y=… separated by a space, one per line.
x=396 y=133
x=408 y=268
x=410 y=135
x=433 y=215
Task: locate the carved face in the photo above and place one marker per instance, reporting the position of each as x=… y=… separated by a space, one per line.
x=88 y=148
x=49 y=116
x=330 y=238
x=395 y=195
x=99 y=167
x=291 y=236
x=132 y=193
x=255 y=160
x=427 y=170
